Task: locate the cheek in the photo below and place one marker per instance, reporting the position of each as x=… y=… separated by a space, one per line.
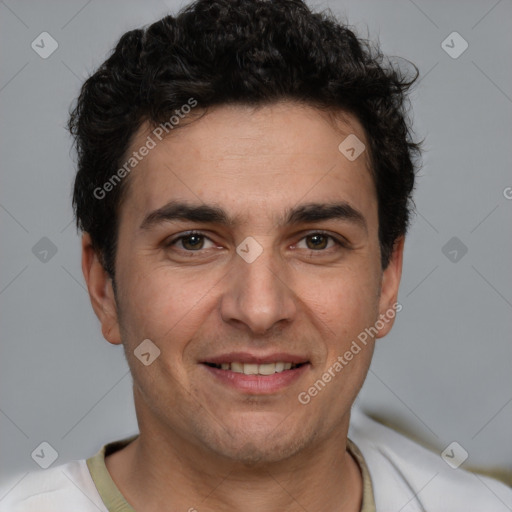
x=168 y=311
x=164 y=304
x=345 y=301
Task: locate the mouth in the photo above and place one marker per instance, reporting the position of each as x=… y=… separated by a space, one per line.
x=256 y=369
x=257 y=375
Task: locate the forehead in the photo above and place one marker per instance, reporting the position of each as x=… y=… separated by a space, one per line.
x=252 y=160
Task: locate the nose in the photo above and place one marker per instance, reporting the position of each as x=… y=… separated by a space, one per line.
x=257 y=296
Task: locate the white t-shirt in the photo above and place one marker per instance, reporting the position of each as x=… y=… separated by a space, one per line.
x=398 y=476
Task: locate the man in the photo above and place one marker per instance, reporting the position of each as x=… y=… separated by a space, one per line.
x=244 y=179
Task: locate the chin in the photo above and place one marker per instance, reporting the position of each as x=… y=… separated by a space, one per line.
x=253 y=454
x=257 y=445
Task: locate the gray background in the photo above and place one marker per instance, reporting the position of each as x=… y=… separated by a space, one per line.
x=442 y=375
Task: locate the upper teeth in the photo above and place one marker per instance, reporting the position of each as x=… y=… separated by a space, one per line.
x=256 y=369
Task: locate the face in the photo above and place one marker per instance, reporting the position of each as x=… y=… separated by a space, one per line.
x=248 y=254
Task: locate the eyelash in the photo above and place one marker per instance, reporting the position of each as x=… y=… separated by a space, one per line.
x=338 y=242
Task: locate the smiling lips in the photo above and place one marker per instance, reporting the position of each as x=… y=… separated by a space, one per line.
x=250 y=364
x=257 y=375
x=256 y=369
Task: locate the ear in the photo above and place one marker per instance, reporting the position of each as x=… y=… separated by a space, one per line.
x=101 y=292
x=388 y=302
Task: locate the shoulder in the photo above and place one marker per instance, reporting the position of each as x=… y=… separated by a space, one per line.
x=408 y=477
x=59 y=489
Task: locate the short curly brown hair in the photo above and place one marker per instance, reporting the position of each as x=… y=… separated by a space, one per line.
x=252 y=52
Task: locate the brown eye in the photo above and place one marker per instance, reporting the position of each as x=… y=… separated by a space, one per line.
x=192 y=242
x=320 y=242
x=317 y=241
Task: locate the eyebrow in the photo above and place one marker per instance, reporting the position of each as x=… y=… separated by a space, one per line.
x=303 y=214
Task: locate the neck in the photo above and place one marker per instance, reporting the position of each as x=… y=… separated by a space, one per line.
x=162 y=471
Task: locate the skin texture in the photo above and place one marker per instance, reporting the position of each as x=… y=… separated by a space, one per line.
x=203 y=444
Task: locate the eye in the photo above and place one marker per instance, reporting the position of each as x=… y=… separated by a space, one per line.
x=194 y=241
x=320 y=242
x=191 y=242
